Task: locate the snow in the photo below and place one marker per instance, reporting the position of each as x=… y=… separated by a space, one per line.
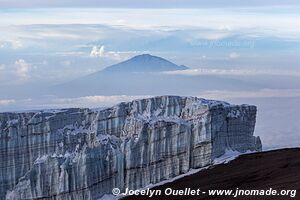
x=41 y=159
x=103 y=138
x=74 y=129
x=212 y=103
x=13 y=122
x=54 y=111
x=228 y=156
x=234 y=113
x=98 y=109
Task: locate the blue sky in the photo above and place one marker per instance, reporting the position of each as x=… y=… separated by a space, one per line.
x=45 y=43
x=46 y=46
x=61 y=40
x=144 y=3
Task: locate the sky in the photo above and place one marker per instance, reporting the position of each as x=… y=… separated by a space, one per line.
x=143 y=4
x=35 y=40
x=45 y=43
x=51 y=42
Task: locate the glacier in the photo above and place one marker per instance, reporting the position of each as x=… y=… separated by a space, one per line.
x=81 y=153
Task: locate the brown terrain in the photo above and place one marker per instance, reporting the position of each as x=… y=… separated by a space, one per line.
x=277 y=169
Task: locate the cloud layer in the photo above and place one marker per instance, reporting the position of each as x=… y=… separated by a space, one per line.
x=264 y=93
x=234 y=72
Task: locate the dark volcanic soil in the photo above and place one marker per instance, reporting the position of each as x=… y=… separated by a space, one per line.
x=278 y=169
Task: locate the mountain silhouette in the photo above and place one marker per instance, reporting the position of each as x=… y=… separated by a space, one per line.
x=144 y=63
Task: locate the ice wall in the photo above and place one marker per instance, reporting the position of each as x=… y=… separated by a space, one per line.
x=83 y=153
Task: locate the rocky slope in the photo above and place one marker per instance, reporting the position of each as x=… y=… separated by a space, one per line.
x=83 y=153
x=277 y=169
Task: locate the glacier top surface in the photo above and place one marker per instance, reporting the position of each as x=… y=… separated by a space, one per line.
x=189 y=102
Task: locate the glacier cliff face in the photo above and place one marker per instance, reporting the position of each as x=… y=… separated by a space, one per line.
x=83 y=153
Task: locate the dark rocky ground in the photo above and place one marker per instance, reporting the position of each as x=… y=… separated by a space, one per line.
x=277 y=169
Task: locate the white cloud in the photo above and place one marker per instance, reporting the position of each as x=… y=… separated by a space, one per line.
x=209 y=35
x=2 y=67
x=2 y=71
x=22 y=69
x=44 y=62
x=223 y=22
x=235 y=72
x=121 y=21
x=116 y=55
x=234 y=55
x=59 y=35
x=13 y=44
x=94 y=101
x=263 y=93
x=50 y=102
x=17 y=44
x=66 y=62
x=97 y=51
x=5 y=102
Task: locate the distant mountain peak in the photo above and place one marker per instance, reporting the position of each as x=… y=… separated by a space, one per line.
x=146 y=57
x=144 y=63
